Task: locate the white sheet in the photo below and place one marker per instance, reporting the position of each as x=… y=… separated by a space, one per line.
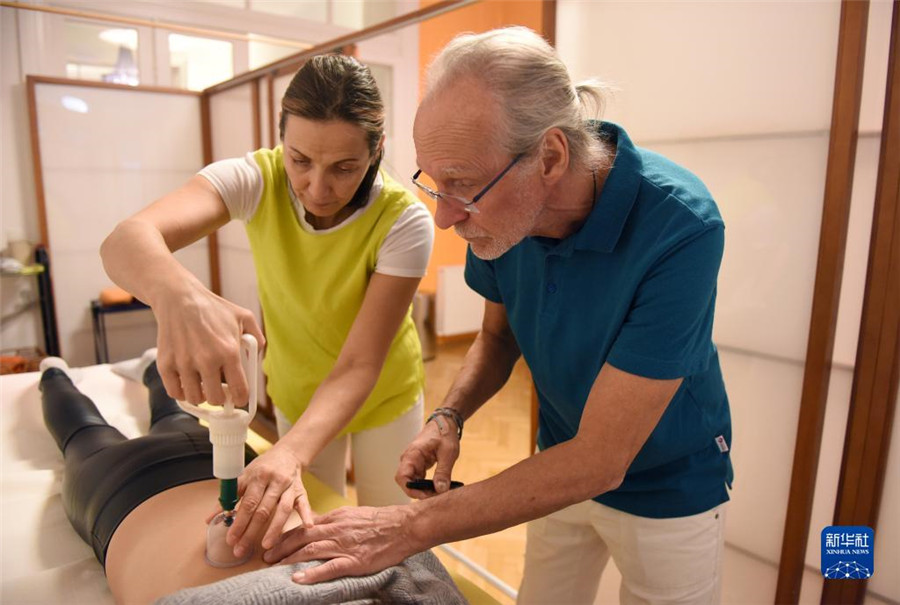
x=42 y=559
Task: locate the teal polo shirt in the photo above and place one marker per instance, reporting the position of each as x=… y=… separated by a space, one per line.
x=634 y=287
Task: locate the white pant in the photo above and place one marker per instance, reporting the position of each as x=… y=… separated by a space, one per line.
x=376 y=456
x=662 y=560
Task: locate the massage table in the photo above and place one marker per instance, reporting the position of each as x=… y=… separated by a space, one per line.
x=42 y=559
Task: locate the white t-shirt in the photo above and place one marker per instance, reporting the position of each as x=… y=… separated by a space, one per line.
x=404 y=252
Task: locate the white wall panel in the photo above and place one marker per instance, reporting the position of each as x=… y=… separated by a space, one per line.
x=458 y=309
x=875 y=77
x=102 y=164
x=886 y=581
x=239 y=279
x=279 y=86
x=701 y=69
x=828 y=475
x=856 y=257
x=265 y=110
x=399 y=51
x=231 y=121
x=765 y=404
x=769 y=192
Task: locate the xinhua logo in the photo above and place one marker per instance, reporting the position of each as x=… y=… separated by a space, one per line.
x=847 y=552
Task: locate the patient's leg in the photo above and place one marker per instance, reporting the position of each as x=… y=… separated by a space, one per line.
x=165 y=415
x=72 y=418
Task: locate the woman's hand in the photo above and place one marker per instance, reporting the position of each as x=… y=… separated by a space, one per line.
x=199 y=345
x=355 y=541
x=269 y=489
x=436 y=443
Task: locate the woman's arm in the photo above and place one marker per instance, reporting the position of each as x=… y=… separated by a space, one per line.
x=269 y=479
x=199 y=332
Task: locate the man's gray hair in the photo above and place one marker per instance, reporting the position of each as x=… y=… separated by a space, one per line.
x=532 y=87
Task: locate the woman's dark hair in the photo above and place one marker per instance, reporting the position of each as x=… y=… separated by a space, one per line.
x=338 y=87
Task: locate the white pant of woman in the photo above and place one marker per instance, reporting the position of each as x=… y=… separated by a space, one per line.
x=668 y=561
x=375 y=454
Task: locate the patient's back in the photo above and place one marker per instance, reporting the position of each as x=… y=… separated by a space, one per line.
x=159 y=547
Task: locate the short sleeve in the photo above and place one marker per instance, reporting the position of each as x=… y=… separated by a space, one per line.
x=239 y=183
x=406 y=248
x=667 y=333
x=480 y=277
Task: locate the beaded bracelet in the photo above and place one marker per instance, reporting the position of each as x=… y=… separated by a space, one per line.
x=449 y=413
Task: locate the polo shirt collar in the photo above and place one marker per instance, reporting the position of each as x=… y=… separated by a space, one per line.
x=604 y=225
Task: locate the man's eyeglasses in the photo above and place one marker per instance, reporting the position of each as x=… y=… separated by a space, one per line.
x=459 y=201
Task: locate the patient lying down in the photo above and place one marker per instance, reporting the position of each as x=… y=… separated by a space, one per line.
x=142 y=505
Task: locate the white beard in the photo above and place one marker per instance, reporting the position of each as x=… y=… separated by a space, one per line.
x=523 y=211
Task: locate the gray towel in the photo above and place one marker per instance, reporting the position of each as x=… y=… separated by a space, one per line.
x=420 y=579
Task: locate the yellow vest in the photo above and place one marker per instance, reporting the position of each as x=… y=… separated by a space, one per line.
x=311 y=287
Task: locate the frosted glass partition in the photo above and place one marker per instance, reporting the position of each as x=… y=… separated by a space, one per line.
x=231 y=122
x=279 y=85
x=231 y=130
x=106 y=153
x=706 y=69
x=769 y=192
x=887 y=535
x=394 y=61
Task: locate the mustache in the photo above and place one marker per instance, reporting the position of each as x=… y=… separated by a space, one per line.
x=468 y=232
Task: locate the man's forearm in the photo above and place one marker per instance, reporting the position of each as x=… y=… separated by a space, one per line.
x=549 y=481
x=486 y=368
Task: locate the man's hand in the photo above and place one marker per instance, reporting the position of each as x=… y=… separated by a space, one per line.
x=353 y=541
x=436 y=443
x=270 y=488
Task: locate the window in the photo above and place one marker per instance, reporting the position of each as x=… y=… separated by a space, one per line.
x=101 y=52
x=198 y=63
x=263 y=53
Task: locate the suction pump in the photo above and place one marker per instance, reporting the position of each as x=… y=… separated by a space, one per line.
x=228 y=433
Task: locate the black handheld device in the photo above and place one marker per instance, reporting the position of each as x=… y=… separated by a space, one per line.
x=427 y=485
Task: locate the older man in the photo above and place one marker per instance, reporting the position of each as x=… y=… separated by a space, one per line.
x=598 y=262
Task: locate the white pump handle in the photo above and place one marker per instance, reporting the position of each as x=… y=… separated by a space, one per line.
x=227 y=425
x=250 y=365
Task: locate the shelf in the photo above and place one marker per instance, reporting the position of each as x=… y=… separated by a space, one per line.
x=24 y=271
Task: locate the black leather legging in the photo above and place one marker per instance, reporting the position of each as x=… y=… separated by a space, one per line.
x=106 y=474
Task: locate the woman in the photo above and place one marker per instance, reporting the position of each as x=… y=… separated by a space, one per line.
x=339 y=249
x=141 y=505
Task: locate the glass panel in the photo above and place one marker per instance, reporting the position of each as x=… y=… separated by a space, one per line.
x=384 y=77
x=313 y=10
x=198 y=63
x=348 y=14
x=358 y=14
x=101 y=164
x=100 y=52
x=239 y=4
x=263 y=53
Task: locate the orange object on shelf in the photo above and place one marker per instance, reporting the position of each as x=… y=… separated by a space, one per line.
x=115 y=296
x=17 y=361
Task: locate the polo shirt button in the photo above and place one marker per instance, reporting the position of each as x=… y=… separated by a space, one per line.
x=551 y=288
